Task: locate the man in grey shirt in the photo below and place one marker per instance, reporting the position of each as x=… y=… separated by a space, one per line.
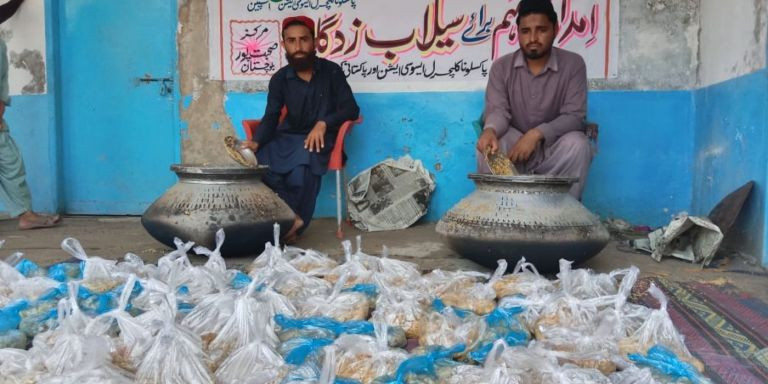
x=536 y=101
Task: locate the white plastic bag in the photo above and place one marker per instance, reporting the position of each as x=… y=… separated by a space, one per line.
x=175 y=357
x=97 y=273
x=254 y=363
x=249 y=322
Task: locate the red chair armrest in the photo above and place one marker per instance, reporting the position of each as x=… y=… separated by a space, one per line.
x=336 y=163
x=250 y=126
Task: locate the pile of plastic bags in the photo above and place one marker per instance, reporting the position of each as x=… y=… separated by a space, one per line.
x=299 y=316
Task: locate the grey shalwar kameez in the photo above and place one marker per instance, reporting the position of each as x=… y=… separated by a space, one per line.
x=554 y=101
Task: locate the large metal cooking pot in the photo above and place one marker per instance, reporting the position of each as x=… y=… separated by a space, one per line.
x=207 y=198
x=531 y=216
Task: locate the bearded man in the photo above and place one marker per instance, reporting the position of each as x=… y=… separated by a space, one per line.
x=318 y=100
x=536 y=102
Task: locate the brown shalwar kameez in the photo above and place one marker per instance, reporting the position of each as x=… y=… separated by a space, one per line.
x=554 y=101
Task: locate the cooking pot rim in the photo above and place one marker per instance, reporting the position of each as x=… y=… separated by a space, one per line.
x=217 y=169
x=523 y=179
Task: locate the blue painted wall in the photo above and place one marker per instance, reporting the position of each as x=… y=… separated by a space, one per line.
x=642 y=171
x=731 y=149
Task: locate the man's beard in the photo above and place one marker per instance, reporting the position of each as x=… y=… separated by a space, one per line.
x=537 y=54
x=301 y=63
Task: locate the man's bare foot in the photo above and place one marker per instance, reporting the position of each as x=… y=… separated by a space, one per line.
x=32 y=220
x=292 y=236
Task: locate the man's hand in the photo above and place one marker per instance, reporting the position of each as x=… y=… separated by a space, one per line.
x=2 y=110
x=252 y=145
x=524 y=148
x=488 y=141
x=316 y=138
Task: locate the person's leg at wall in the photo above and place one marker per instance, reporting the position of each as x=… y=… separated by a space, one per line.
x=299 y=189
x=304 y=186
x=14 y=192
x=569 y=156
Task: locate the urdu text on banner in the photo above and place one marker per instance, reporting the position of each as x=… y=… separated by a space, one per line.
x=402 y=45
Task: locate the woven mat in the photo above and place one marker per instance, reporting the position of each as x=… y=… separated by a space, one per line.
x=723 y=327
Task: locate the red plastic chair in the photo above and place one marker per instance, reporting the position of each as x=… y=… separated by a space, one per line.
x=336 y=162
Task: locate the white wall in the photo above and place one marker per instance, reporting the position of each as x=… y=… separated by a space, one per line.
x=733 y=39
x=24 y=34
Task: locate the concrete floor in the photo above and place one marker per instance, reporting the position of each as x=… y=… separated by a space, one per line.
x=112 y=237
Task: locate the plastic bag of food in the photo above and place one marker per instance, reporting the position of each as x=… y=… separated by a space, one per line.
x=272 y=258
x=74 y=351
x=325 y=327
x=26 y=267
x=64 y=272
x=8 y=273
x=32 y=288
x=446 y=329
x=249 y=322
x=10 y=316
x=502 y=324
x=572 y=374
x=590 y=341
x=398 y=273
x=253 y=363
x=664 y=360
x=364 y=359
x=17 y=366
x=462 y=289
x=422 y=368
x=400 y=308
x=341 y=306
x=310 y=261
x=13 y=339
x=356 y=271
x=132 y=264
x=97 y=272
x=38 y=318
x=134 y=338
x=275 y=303
x=100 y=375
x=524 y=280
x=298 y=351
x=658 y=329
x=175 y=356
x=297 y=286
x=209 y=316
x=582 y=283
